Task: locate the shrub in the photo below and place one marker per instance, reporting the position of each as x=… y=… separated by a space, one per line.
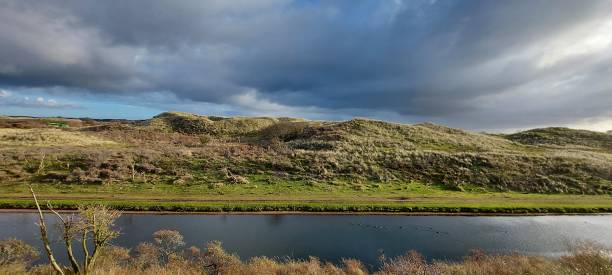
x=588 y=258
x=409 y=263
x=14 y=251
x=182 y=180
x=238 y=179
x=147 y=255
x=114 y=255
x=215 y=185
x=218 y=261
x=354 y=267
x=205 y=139
x=168 y=242
x=585 y=259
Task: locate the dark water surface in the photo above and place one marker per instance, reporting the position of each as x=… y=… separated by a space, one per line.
x=363 y=237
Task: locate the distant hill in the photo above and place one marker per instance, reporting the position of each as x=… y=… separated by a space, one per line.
x=184 y=147
x=564 y=137
x=194 y=124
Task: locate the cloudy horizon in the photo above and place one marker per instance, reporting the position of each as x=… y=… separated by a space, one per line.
x=480 y=65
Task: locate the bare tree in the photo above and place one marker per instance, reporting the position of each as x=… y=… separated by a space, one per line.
x=94 y=224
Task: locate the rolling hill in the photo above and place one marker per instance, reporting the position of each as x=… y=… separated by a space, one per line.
x=182 y=149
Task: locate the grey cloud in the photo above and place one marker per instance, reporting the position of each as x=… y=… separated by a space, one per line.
x=42 y=47
x=477 y=64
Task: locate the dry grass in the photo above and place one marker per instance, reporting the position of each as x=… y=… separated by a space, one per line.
x=152 y=258
x=48 y=137
x=503 y=265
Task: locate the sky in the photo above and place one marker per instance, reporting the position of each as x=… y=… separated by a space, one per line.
x=480 y=65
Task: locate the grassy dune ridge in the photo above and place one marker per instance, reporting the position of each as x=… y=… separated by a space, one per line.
x=188 y=162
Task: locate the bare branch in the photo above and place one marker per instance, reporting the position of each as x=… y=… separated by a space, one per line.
x=69 y=228
x=41 y=166
x=55 y=212
x=44 y=237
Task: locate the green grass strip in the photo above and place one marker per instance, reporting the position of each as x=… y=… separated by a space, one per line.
x=304 y=207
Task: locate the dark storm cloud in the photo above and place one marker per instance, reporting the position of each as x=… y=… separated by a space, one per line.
x=479 y=64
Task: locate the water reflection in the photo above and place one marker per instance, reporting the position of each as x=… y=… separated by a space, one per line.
x=275 y=220
x=333 y=237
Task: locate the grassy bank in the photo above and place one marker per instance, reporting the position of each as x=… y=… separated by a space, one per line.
x=411 y=197
x=440 y=207
x=308 y=207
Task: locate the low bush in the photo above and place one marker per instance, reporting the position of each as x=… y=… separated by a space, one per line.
x=14 y=251
x=167 y=255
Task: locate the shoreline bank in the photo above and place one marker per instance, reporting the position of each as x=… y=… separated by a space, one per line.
x=309 y=208
x=305 y=213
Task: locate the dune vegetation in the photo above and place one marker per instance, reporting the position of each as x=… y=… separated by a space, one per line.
x=187 y=162
x=48 y=137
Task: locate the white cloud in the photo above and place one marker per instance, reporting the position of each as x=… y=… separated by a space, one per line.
x=49 y=103
x=4 y=94
x=594 y=124
x=589 y=40
x=251 y=102
x=6 y=99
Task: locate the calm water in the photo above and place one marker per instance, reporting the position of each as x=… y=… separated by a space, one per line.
x=332 y=237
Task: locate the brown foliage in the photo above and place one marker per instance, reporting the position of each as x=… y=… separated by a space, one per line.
x=14 y=251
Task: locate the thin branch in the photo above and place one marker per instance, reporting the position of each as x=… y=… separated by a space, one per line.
x=68 y=235
x=55 y=212
x=44 y=237
x=41 y=166
x=85 y=249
